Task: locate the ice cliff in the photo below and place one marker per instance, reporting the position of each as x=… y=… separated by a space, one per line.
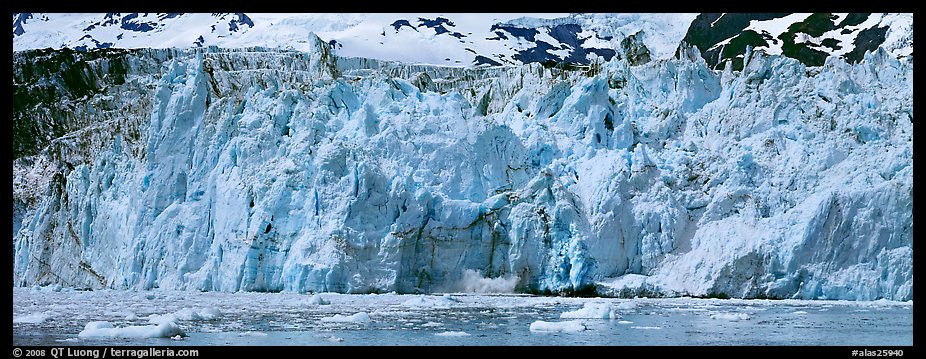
x=268 y=170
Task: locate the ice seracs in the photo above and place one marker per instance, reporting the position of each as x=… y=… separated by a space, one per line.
x=266 y=170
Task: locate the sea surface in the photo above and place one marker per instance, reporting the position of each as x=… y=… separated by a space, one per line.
x=56 y=317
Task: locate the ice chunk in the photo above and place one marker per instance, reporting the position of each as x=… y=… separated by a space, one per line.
x=33 y=318
x=799 y=312
x=571 y=326
x=318 y=300
x=202 y=314
x=361 y=317
x=452 y=334
x=252 y=334
x=592 y=311
x=103 y=329
x=432 y=324
x=884 y=303
x=49 y=288
x=395 y=313
x=627 y=305
x=624 y=322
x=186 y=314
x=98 y=325
x=732 y=317
x=333 y=339
x=646 y=327
x=444 y=301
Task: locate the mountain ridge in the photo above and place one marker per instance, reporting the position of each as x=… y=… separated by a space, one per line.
x=481 y=39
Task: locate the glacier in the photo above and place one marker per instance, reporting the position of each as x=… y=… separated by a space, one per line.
x=260 y=169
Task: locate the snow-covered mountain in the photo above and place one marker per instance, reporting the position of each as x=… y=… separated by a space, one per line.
x=261 y=169
x=456 y=39
x=443 y=39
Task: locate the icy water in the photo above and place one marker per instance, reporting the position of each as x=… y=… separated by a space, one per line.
x=44 y=317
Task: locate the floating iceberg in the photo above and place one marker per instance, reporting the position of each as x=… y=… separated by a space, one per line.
x=361 y=317
x=107 y=330
x=593 y=311
x=571 y=326
x=731 y=317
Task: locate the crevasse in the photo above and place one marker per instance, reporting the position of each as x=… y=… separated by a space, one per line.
x=268 y=170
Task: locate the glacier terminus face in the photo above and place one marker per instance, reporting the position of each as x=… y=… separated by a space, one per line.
x=260 y=169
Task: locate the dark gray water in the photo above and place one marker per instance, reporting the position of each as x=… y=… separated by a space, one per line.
x=56 y=318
